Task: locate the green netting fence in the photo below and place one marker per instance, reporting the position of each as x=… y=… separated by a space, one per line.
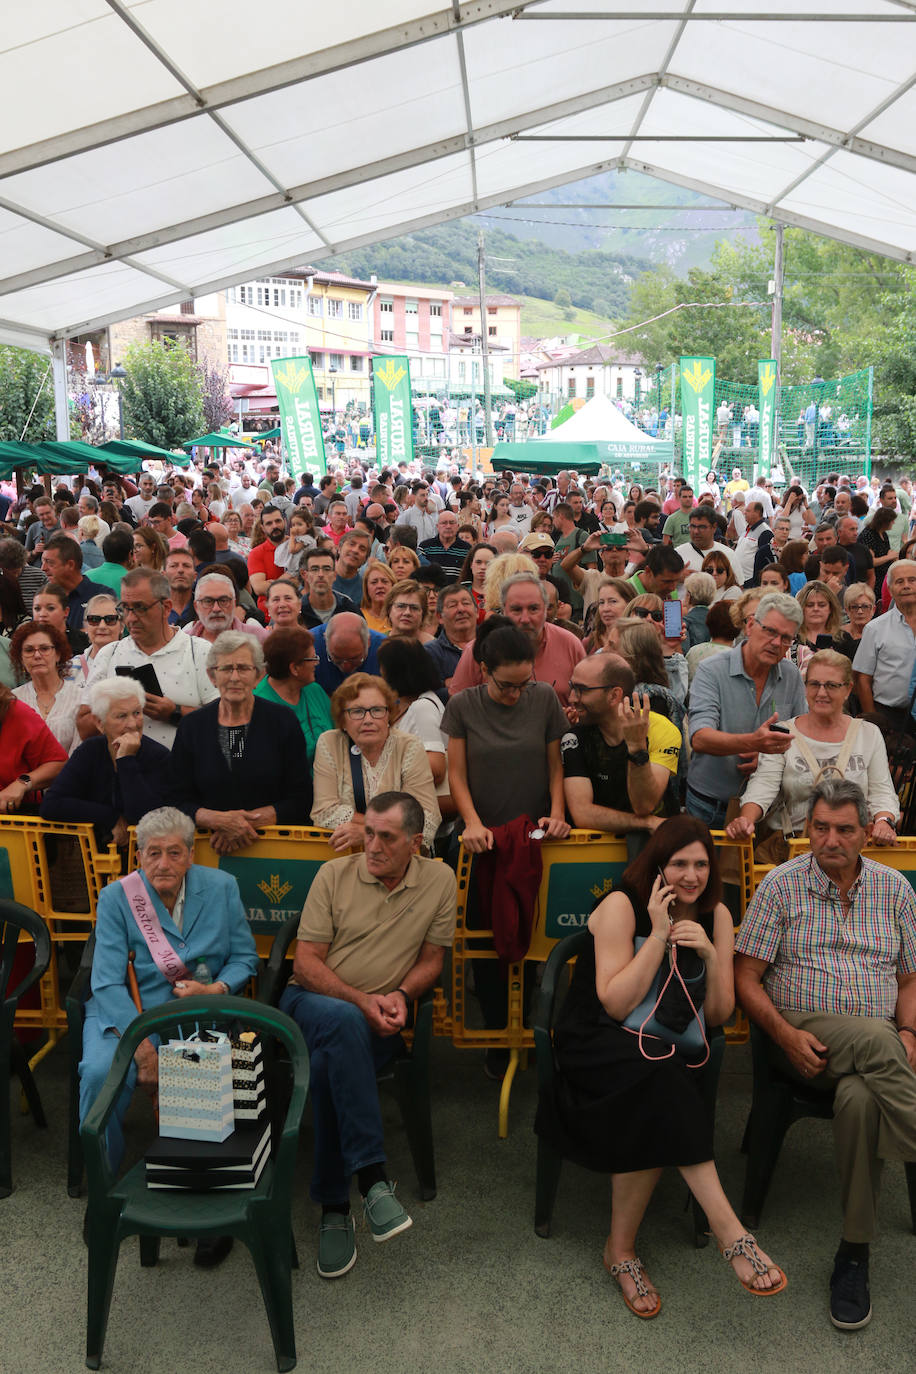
x=838 y=439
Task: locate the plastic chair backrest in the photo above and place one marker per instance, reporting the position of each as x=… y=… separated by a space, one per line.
x=14 y=920
x=210 y=1011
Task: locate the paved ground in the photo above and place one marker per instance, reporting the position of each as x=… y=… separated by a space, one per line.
x=470 y=1288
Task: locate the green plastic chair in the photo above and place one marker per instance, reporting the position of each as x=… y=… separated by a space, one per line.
x=15 y=918
x=409 y=1074
x=124 y=1207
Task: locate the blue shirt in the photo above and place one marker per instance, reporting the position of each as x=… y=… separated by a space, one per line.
x=723 y=697
x=328 y=675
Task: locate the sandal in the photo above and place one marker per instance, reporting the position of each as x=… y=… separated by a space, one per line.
x=745 y=1247
x=633 y=1269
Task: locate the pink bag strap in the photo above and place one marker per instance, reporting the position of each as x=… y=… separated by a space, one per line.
x=144 y=913
x=674 y=972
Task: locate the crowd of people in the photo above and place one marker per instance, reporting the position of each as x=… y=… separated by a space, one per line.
x=410 y=658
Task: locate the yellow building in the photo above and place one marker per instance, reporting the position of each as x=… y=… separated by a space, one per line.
x=504 y=325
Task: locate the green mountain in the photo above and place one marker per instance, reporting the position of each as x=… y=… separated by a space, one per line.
x=447 y=254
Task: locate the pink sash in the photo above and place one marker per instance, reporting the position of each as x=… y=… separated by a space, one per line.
x=144 y=913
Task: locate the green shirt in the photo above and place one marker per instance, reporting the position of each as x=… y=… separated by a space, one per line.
x=109 y=574
x=313 y=711
x=677 y=527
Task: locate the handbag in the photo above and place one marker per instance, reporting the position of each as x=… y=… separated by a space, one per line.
x=668 y=1012
x=195 y=1087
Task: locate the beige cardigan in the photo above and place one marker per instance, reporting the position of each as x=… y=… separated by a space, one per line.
x=402 y=767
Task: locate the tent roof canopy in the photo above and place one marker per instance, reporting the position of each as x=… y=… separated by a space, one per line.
x=201 y=161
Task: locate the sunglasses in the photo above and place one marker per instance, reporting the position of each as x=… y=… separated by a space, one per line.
x=657 y=616
x=541 y=553
x=103 y=620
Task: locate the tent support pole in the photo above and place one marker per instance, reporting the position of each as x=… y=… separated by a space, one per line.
x=61 y=406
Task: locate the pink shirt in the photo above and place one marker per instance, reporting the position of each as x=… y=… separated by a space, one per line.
x=559 y=653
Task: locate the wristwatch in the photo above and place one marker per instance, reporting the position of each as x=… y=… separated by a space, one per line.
x=640 y=757
x=175 y=717
x=25 y=779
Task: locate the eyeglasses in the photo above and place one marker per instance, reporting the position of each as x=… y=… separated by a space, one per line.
x=31 y=649
x=657 y=616
x=775 y=635
x=138 y=607
x=540 y=553
x=208 y=602
x=360 y=712
x=227 y=669
x=406 y=606
x=313 y=659
x=103 y=620
x=827 y=686
x=511 y=687
x=580 y=688
x=860 y=606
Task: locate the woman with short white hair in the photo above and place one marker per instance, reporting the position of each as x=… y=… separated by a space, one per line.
x=102 y=625
x=91 y=531
x=115 y=777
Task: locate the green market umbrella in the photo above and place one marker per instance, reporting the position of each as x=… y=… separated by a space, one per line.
x=48 y=459
x=126 y=455
x=268 y=434
x=216 y=441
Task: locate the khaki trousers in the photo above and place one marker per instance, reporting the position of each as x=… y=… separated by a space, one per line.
x=874 y=1110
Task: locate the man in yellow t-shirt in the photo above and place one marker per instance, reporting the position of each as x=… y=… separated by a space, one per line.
x=736 y=484
x=373 y=934
x=620 y=758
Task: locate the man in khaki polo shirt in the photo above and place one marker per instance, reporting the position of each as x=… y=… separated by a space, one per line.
x=372 y=938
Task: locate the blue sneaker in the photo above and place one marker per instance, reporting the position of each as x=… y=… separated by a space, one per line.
x=850 y=1299
x=336 y=1245
x=385 y=1215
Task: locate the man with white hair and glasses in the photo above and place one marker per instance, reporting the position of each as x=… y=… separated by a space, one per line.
x=883 y=665
x=735 y=701
x=216 y=603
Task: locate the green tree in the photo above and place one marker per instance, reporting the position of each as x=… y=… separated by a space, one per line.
x=563 y=299
x=162 y=394
x=895 y=379
x=25 y=376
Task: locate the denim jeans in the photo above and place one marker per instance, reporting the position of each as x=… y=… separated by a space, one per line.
x=344 y=1056
x=714 y=816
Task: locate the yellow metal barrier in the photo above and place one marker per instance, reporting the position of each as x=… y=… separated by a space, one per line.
x=901 y=856
x=56 y=869
x=274 y=874
x=577 y=872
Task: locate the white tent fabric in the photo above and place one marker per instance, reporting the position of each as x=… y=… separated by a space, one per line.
x=156 y=151
x=599 y=421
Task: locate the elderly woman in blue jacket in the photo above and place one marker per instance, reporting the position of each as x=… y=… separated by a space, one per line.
x=203 y=922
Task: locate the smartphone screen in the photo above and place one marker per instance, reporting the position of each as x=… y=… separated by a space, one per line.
x=674 y=619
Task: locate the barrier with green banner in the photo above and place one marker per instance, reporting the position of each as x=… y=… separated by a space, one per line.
x=300 y=418
x=572 y=891
x=393 y=416
x=272 y=890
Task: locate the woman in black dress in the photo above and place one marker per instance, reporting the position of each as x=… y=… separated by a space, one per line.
x=622 y=1111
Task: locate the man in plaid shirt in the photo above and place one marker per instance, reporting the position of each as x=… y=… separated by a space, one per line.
x=826 y=966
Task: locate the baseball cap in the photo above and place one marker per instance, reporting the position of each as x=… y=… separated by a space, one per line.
x=536 y=541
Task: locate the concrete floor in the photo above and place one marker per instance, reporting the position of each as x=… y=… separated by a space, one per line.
x=470 y=1287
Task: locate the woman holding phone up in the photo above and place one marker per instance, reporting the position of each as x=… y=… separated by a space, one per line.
x=629 y=1103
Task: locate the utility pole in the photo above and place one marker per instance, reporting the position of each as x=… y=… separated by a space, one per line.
x=779 y=275
x=484 y=349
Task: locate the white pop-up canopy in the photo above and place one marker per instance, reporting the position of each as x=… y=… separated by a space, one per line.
x=598 y=421
x=156 y=151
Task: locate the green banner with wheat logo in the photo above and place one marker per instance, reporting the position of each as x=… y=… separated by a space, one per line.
x=393 y=416
x=698 y=386
x=766 y=382
x=300 y=418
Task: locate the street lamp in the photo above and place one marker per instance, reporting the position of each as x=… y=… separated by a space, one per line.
x=658 y=401
x=333 y=369
x=117 y=374
x=637 y=378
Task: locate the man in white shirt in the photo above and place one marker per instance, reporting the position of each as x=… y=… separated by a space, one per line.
x=759 y=494
x=422 y=515
x=520 y=513
x=141 y=504
x=178 y=660
x=703 y=543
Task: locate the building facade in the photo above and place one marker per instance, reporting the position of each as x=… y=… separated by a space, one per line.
x=595 y=371
x=503 y=325
x=323 y=314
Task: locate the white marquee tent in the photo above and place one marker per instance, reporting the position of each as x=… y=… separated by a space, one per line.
x=155 y=151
